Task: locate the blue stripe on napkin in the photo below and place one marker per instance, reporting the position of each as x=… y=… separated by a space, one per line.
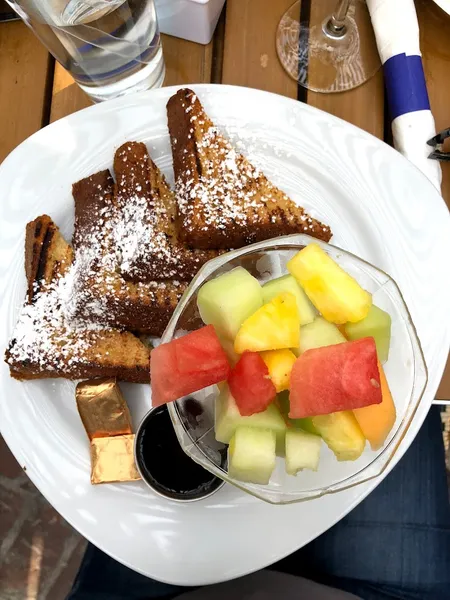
x=405 y=85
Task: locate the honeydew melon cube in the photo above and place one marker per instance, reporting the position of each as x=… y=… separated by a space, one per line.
x=317 y=334
x=302 y=451
x=377 y=324
x=251 y=455
x=304 y=424
x=228 y=300
x=228 y=419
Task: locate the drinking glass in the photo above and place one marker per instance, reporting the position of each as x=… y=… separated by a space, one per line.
x=110 y=47
x=328 y=50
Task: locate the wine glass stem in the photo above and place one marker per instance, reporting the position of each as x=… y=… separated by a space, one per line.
x=335 y=26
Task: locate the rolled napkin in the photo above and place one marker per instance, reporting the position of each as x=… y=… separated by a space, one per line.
x=397 y=34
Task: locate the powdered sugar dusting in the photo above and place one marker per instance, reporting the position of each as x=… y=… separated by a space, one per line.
x=144 y=222
x=99 y=290
x=45 y=334
x=230 y=189
x=224 y=191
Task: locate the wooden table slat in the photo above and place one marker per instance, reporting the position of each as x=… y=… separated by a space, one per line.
x=186 y=62
x=67 y=97
x=23 y=69
x=250 y=56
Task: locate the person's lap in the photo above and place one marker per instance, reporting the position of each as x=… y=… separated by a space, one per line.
x=395 y=544
x=398 y=539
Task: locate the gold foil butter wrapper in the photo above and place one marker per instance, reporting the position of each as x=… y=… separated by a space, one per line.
x=112 y=459
x=102 y=408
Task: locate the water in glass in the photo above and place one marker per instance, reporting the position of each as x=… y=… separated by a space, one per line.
x=111 y=47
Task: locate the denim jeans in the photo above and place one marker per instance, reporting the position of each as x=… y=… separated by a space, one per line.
x=394 y=545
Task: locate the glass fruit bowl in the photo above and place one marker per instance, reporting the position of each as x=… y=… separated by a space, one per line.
x=406 y=372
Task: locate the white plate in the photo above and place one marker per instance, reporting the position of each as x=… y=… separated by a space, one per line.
x=379 y=207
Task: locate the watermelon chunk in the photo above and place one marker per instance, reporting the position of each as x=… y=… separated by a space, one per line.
x=335 y=378
x=186 y=365
x=250 y=384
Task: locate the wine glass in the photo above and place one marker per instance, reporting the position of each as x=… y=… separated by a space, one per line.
x=328 y=50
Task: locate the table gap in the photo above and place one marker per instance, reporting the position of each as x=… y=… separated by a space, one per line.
x=218 y=48
x=48 y=91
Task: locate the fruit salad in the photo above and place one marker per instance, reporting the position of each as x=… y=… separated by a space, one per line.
x=298 y=362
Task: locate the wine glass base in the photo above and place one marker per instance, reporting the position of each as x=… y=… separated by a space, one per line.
x=327 y=63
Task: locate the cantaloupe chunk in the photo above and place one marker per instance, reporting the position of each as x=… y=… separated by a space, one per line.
x=377 y=324
x=377 y=420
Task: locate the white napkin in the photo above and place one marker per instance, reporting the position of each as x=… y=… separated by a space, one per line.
x=397 y=34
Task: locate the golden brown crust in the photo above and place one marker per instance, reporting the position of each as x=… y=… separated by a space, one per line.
x=111 y=353
x=133 y=306
x=47 y=255
x=148 y=206
x=224 y=201
x=82 y=372
x=55 y=346
x=105 y=296
x=91 y=195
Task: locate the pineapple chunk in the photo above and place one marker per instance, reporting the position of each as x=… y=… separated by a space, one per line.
x=279 y=363
x=287 y=283
x=302 y=451
x=251 y=455
x=341 y=433
x=333 y=292
x=274 y=326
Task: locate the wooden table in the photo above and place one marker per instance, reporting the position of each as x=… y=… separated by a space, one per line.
x=34 y=91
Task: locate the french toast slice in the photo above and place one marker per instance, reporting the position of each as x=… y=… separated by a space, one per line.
x=47 y=255
x=145 y=235
x=223 y=200
x=47 y=342
x=102 y=294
